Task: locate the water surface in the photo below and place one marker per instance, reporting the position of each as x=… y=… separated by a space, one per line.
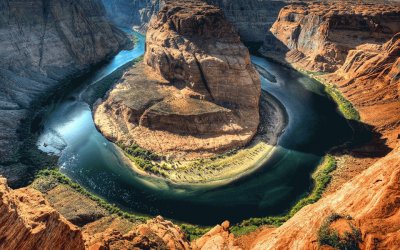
x=95 y=163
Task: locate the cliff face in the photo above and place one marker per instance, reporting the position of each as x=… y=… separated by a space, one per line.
x=251 y=18
x=371 y=199
x=27 y=221
x=318 y=37
x=196 y=69
x=43 y=42
x=132 y=13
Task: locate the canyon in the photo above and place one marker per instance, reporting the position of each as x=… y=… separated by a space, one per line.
x=43 y=43
x=354 y=49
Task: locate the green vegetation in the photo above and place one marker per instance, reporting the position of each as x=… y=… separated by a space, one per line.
x=321 y=178
x=146 y=160
x=331 y=237
x=60 y=178
x=345 y=107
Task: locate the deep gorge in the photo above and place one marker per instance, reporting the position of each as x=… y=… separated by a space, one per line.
x=359 y=131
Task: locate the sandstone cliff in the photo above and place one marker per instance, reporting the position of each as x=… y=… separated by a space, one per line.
x=27 y=221
x=42 y=43
x=368 y=75
x=318 y=37
x=197 y=94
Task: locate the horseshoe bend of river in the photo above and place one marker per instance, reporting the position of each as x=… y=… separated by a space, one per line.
x=314 y=126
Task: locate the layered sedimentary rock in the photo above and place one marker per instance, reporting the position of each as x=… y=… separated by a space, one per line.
x=27 y=221
x=371 y=199
x=154 y=234
x=318 y=37
x=369 y=77
x=252 y=18
x=196 y=93
x=43 y=42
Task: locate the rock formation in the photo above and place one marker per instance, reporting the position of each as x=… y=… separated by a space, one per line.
x=196 y=94
x=42 y=43
x=217 y=238
x=27 y=221
x=155 y=234
x=318 y=37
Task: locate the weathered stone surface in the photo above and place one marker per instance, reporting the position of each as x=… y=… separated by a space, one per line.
x=155 y=234
x=27 y=221
x=251 y=18
x=217 y=238
x=318 y=36
x=196 y=94
x=43 y=42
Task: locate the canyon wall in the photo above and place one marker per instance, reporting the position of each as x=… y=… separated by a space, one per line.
x=318 y=37
x=360 y=46
x=42 y=43
x=252 y=18
x=195 y=69
x=27 y=221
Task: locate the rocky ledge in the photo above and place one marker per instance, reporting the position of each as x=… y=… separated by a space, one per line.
x=196 y=93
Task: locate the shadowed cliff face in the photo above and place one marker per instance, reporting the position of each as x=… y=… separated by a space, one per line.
x=252 y=18
x=42 y=43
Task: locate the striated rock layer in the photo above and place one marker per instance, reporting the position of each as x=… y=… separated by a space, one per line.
x=27 y=221
x=252 y=18
x=368 y=75
x=42 y=43
x=196 y=94
x=318 y=36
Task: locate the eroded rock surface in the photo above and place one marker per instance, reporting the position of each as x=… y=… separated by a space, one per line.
x=155 y=234
x=251 y=18
x=42 y=43
x=27 y=221
x=196 y=93
x=318 y=36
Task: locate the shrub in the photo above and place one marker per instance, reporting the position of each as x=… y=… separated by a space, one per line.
x=330 y=237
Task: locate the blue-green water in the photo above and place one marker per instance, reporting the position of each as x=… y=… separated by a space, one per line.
x=88 y=158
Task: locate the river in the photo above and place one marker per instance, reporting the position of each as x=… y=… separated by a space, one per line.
x=91 y=160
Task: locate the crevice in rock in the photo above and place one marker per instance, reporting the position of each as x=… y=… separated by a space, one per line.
x=203 y=77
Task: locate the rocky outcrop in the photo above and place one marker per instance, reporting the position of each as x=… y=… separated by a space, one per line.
x=196 y=94
x=155 y=234
x=42 y=43
x=27 y=221
x=217 y=238
x=318 y=37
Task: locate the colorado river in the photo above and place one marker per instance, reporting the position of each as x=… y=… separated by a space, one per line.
x=89 y=159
